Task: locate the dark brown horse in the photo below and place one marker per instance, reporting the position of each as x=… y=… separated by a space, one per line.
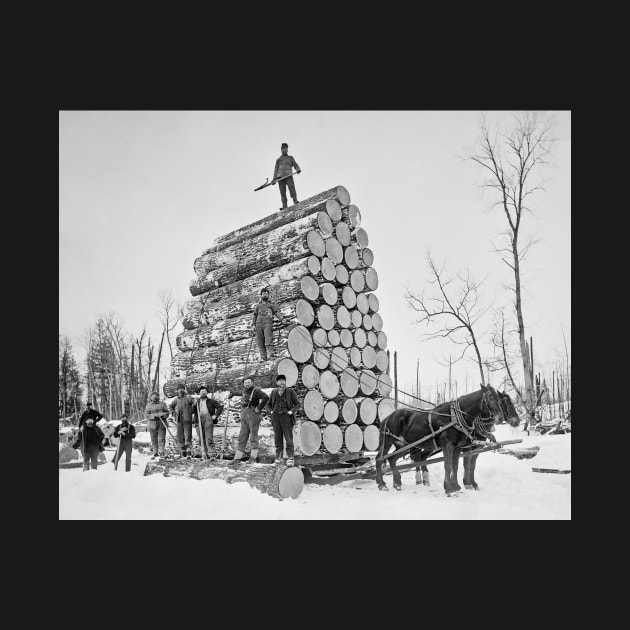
x=453 y=425
x=422 y=472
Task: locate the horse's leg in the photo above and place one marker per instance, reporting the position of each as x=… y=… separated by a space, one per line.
x=473 y=463
x=396 y=473
x=455 y=466
x=468 y=472
x=448 y=467
x=379 y=468
x=422 y=477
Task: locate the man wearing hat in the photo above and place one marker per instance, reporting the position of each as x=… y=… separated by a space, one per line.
x=284 y=165
x=253 y=402
x=262 y=321
x=283 y=403
x=125 y=432
x=89 y=439
x=185 y=412
x=90 y=413
x=208 y=411
x=155 y=413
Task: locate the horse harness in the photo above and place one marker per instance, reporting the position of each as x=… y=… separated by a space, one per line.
x=457 y=421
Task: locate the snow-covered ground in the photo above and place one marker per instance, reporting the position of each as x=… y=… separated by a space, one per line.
x=508 y=490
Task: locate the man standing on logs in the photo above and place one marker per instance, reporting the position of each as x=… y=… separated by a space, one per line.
x=284 y=166
x=253 y=402
x=208 y=411
x=156 y=412
x=262 y=321
x=283 y=404
x=184 y=411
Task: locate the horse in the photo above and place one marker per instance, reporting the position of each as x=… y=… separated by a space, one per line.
x=449 y=427
x=510 y=416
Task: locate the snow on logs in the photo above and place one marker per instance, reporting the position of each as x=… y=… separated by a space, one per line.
x=315 y=260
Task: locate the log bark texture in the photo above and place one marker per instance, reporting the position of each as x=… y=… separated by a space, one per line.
x=278 y=481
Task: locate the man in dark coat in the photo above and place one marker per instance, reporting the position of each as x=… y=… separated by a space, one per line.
x=184 y=412
x=262 y=321
x=283 y=403
x=90 y=441
x=284 y=166
x=253 y=402
x=90 y=413
x=208 y=411
x=125 y=431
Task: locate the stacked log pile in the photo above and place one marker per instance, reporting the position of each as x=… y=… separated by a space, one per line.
x=316 y=262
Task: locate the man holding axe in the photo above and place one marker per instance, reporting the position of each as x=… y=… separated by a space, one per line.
x=125 y=432
x=283 y=172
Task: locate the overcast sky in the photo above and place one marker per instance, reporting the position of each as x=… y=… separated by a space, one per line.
x=141 y=194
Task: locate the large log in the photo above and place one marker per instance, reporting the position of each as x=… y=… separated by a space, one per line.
x=290 y=370
x=371 y=438
x=377 y=321
x=233 y=328
x=308 y=438
x=347 y=339
x=367 y=322
x=328 y=384
x=360 y=338
x=357 y=280
x=240 y=297
x=338 y=359
x=341 y=275
x=368 y=356
x=227 y=355
x=384 y=384
x=333 y=208
x=382 y=360
x=342 y=234
x=349 y=380
x=321 y=358
x=334 y=250
x=367 y=409
x=313 y=405
x=349 y=411
x=354 y=354
x=373 y=303
x=324 y=222
x=363 y=303
x=328 y=293
x=382 y=340
x=352 y=215
x=329 y=272
x=360 y=236
x=309 y=376
x=326 y=317
x=331 y=411
x=304 y=208
x=263 y=375
x=300 y=344
x=372 y=339
x=314 y=266
x=320 y=337
x=278 y=481
x=333 y=438
x=367 y=382
x=264 y=252
x=352 y=438
x=349 y=297
x=334 y=339
x=342 y=316
x=356 y=318
x=351 y=257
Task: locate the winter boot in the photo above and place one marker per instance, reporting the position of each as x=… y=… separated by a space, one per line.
x=253 y=456
x=290 y=461
x=238 y=456
x=278 y=459
x=270 y=352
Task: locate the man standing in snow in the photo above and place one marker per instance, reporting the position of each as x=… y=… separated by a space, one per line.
x=125 y=431
x=208 y=411
x=184 y=411
x=284 y=166
x=253 y=401
x=156 y=412
x=89 y=440
x=90 y=413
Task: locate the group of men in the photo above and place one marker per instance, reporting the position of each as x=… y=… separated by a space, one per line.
x=203 y=413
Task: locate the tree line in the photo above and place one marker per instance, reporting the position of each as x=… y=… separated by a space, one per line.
x=121 y=367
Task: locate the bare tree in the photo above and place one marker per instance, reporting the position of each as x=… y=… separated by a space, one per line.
x=170 y=313
x=453 y=304
x=511 y=158
x=500 y=339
